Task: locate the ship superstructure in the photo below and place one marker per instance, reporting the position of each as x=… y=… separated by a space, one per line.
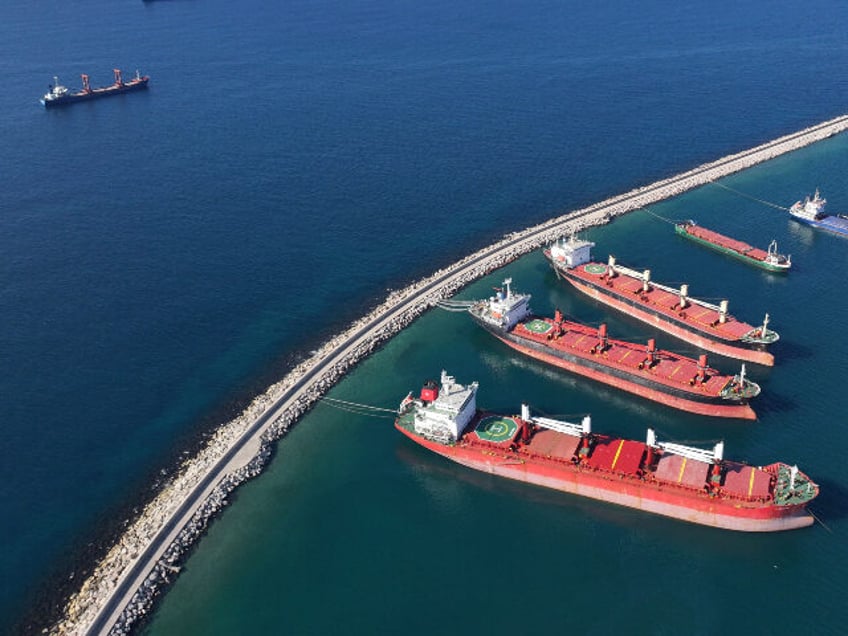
x=811 y=212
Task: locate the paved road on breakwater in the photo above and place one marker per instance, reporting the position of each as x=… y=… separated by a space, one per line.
x=134 y=585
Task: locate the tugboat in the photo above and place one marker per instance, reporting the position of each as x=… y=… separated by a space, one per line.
x=695 y=321
x=59 y=95
x=770 y=260
x=654 y=374
x=811 y=212
x=683 y=482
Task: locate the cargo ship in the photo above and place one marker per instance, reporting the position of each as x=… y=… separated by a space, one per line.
x=683 y=482
x=59 y=95
x=653 y=374
x=769 y=260
x=811 y=212
x=696 y=321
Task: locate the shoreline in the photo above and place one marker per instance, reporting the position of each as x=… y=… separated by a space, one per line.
x=123 y=586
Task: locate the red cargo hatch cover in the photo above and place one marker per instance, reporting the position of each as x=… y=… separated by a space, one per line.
x=682 y=470
x=552 y=444
x=619 y=455
x=746 y=481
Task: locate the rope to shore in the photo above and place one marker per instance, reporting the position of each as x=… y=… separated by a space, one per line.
x=661 y=218
x=359 y=409
x=748 y=196
x=454 y=305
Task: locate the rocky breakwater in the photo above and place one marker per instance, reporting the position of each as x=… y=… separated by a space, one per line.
x=283 y=403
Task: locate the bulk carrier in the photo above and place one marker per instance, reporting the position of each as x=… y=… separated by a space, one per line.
x=683 y=482
x=811 y=212
x=660 y=376
x=59 y=95
x=698 y=322
x=770 y=260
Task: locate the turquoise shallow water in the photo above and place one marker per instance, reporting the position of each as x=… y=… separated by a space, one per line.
x=166 y=255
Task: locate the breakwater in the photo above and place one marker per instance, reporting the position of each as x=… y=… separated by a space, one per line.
x=123 y=585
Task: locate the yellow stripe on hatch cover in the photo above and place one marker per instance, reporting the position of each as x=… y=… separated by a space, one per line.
x=682 y=468
x=617 y=453
x=751 y=483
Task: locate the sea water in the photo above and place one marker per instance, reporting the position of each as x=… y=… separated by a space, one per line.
x=169 y=253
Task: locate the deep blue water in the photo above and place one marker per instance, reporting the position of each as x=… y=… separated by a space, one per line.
x=166 y=254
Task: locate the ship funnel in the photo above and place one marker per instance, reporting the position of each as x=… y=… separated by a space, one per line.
x=722 y=311
x=652 y=438
x=525 y=412
x=429 y=392
x=586 y=425
x=646 y=278
x=684 y=292
x=718 y=452
x=611 y=266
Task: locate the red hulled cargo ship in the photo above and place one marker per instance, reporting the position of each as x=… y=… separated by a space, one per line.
x=769 y=260
x=660 y=376
x=696 y=321
x=60 y=95
x=683 y=482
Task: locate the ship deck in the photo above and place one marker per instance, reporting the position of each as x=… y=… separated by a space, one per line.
x=661 y=301
x=668 y=369
x=726 y=242
x=623 y=461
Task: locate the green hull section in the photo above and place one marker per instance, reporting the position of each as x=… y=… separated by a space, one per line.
x=776 y=269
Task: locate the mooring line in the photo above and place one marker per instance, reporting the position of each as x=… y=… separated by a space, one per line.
x=359 y=409
x=748 y=196
x=816 y=517
x=661 y=218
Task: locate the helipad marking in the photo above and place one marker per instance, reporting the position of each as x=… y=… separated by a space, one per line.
x=496 y=429
x=537 y=326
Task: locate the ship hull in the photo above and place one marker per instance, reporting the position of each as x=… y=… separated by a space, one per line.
x=832 y=224
x=665 y=499
x=97 y=93
x=661 y=322
x=745 y=258
x=642 y=387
